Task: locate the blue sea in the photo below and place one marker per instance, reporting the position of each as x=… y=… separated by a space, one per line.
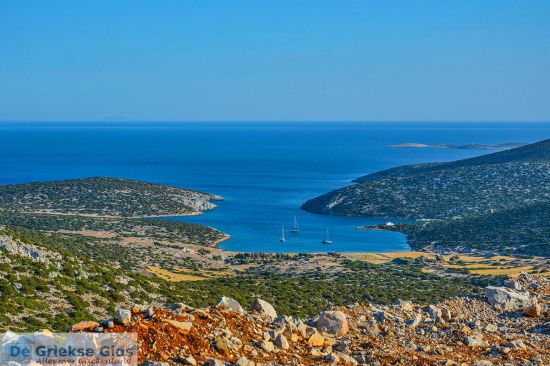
x=265 y=171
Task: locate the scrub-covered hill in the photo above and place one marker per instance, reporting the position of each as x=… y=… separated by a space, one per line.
x=104 y=197
x=491 y=184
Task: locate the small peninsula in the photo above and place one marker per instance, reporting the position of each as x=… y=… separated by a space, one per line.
x=101 y=196
x=113 y=208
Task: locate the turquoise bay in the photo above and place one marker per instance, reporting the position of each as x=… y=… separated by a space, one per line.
x=265 y=171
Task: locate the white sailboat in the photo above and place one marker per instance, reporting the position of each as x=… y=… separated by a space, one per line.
x=327 y=239
x=282 y=238
x=295 y=228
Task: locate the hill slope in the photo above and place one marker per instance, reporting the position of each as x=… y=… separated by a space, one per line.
x=522 y=230
x=537 y=152
x=104 y=197
x=492 y=182
x=51 y=280
x=460 y=331
x=495 y=201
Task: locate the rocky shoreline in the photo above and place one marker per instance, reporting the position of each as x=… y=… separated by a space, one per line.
x=508 y=326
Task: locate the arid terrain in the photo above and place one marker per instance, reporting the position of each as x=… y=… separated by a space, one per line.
x=508 y=325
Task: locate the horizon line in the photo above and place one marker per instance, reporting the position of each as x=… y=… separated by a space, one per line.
x=271 y=121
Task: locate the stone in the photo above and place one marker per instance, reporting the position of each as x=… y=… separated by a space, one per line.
x=472 y=341
x=361 y=358
x=230 y=304
x=84 y=325
x=346 y=359
x=483 y=363
x=331 y=358
x=190 y=360
x=332 y=322
x=316 y=352
x=301 y=327
x=183 y=326
x=316 y=340
x=267 y=346
x=150 y=312
x=514 y=285
x=446 y=314
x=136 y=309
x=179 y=306
x=342 y=347
x=273 y=333
x=124 y=316
x=517 y=344
x=406 y=306
x=414 y=322
x=329 y=342
x=109 y=324
x=243 y=361
x=411 y=346
x=265 y=309
x=491 y=328
x=281 y=342
x=381 y=316
x=223 y=345
x=153 y=363
x=371 y=329
x=201 y=313
x=534 y=310
x=434 y=312
x=237 y=343
x=214 y=362
x=507 y=299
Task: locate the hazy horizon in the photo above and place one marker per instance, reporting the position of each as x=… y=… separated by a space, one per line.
x=276 y=121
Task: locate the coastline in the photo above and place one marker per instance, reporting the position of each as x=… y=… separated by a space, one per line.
x=219 y=241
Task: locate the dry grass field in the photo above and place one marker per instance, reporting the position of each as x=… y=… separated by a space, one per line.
x=495 y=265
x=177 y=275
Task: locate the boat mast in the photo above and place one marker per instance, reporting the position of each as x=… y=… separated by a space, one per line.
x=295 y=227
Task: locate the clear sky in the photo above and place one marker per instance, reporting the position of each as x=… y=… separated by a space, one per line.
x=459 y=60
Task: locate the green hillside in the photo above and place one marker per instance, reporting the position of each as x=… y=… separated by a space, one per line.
x=522 y=230
x=104 y=197
x=471 y=190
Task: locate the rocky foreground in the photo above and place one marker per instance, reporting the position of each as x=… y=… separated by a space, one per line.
x=508 y=326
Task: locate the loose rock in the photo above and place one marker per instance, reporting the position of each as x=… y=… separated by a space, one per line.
x=265 y=309
x=332 y=322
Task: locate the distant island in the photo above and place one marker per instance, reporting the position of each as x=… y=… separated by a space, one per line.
x=494 y=202
x=414 y=145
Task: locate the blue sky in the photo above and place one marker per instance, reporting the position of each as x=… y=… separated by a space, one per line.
x=466 y=60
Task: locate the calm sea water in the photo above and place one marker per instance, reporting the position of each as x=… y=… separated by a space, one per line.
x=265 y=171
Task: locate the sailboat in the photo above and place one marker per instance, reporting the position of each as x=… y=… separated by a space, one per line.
x=282 y=238
x=327 y=239
x=295 y=228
